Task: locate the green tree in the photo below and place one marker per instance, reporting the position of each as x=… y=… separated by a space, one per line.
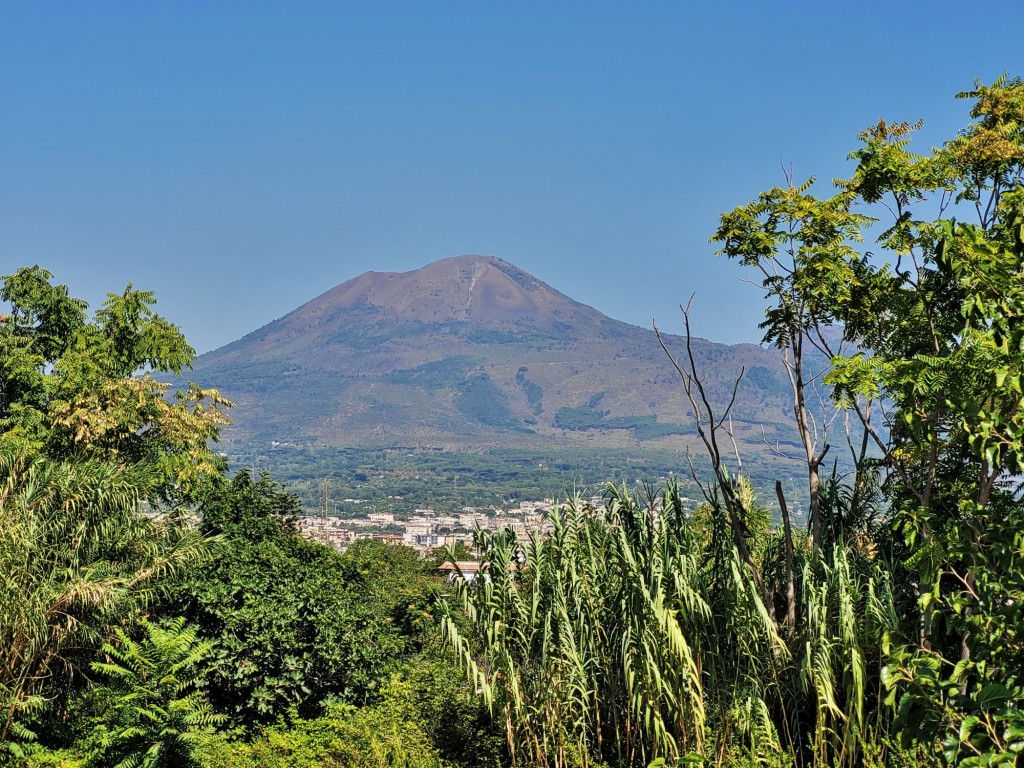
x=156 y=716
x=933 y=321
x=71 y=386
x=76 y=560
x=803 y=249
x=381 y=736
x=394 y=581
x=290 y=627
x=87 y=441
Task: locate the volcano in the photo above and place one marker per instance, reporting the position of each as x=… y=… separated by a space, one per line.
x=474 y=352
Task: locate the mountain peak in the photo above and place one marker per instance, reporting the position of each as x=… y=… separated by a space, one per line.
x=484 y=289
x=469 y=350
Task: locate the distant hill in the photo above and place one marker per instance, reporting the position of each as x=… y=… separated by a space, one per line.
x=473 y=352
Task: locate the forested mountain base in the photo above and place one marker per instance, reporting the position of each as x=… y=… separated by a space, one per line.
x=402 y=479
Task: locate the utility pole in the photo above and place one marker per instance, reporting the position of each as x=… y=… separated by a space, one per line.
x=325 y=493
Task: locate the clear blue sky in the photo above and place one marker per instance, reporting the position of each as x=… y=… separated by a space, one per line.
x=242 y=158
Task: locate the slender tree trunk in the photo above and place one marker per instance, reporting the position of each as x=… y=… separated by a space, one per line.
x=803 y=424
x=737 y=525
x=787 y=528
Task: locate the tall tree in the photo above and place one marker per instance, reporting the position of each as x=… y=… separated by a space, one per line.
x=87 y=439
x=71 y=386
x=934 y=323
x=803 y=248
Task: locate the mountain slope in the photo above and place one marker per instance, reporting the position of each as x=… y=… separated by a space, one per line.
x=472 y=351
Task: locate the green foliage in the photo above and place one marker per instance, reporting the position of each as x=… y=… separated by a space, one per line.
x=634 y=633
x=481 y=400
x=438 y=697
x=344 y=737
x=948 y=353
x=87 y=439
x=933 y=328
x=156 y=716
x=46 y=758
x=971 y=704
x=425 y=718
x=291 y=623
x=74 y=387
x=392 y=581
x=76 y=559
x=804 y=248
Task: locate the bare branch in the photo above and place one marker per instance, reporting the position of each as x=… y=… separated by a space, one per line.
x=775 y=448
x=735 y=514
x=727 y=414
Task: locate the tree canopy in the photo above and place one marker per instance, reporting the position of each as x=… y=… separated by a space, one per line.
x=74 y=386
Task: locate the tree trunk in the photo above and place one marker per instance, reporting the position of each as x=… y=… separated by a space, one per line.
x=790 y=620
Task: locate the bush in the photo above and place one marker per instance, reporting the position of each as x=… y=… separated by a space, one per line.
x=344 y=737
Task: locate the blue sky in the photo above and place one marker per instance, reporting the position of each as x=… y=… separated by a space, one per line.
x=241 y=158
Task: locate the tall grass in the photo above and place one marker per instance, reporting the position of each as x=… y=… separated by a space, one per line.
x=635 y=632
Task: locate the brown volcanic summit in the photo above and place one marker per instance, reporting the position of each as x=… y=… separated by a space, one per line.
x=482 y=289
x=469 y=352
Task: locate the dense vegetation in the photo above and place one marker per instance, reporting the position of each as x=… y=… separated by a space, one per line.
x=889 y=632
x=205 y=631
x=404 y=479
x=641 y=632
